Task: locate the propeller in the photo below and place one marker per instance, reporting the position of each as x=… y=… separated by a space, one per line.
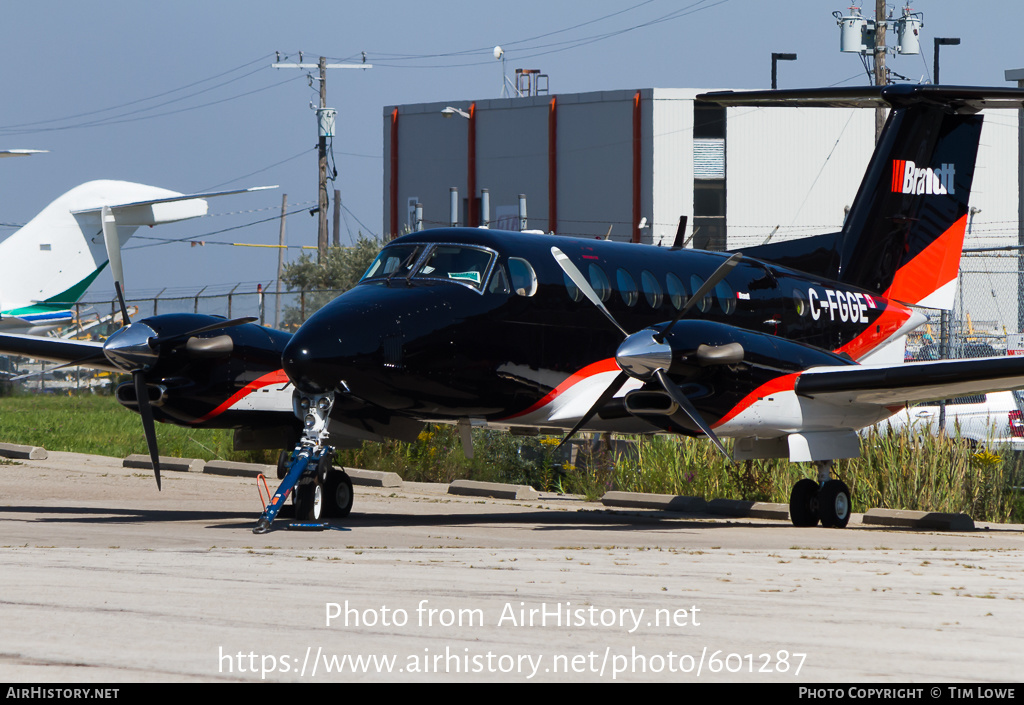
x=136 y=347
x=645 y=355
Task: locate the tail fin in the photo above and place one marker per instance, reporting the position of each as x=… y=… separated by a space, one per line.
x=904 y=234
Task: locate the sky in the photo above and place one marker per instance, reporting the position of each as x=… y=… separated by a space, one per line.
x=181 y=94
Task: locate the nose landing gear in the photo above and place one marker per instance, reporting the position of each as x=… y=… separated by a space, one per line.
x=321 y=491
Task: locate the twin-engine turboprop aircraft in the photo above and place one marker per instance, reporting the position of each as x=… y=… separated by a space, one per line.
x=772 y=346
x=780 y=347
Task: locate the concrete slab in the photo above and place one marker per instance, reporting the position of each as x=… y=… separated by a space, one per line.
x=235 y=469
x=919 y=520
x=495 y=490
x=166 y=463
x=374 y=478
x=664 y=502
x=19 y=452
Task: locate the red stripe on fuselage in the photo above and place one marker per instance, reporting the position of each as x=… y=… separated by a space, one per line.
x=784 y=383
x=276 y=377
x=608 y=365
x=890 y=321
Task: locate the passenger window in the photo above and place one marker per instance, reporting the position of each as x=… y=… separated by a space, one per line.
x=726 y=297
x=676 y=291
x=652 y=290
x=800 y=303
x=571 y=289
x=524 y=279
x=599 y=281
x=705 y=303
x=627 y=287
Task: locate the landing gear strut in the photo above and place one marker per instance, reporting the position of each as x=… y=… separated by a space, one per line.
x=320 y=490
x=826 y=500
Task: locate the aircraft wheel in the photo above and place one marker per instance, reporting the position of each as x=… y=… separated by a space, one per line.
x=309 y=501
x=283 y=460
x=803 y=503
x=338 y=494
x=834 y=504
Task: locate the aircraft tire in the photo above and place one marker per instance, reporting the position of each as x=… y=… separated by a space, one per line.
x=309 y=501
x=834 y=504
x=338 y=494
x=283 y=461
x=803 y=503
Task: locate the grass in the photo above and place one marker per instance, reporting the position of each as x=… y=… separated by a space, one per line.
x=97 y=424
x=895 y=470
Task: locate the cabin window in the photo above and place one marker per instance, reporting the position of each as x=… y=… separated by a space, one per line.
x=726 y=297
x=800 y=303
x=705 y=302
x=627 y=287
x=571 y=289
x=676 y=291
x=524 y=279
x=466 y=265
x=652 y=290
x=599 y=282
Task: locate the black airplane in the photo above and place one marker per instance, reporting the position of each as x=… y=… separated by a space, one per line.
x=778 y=347
x=772 y=346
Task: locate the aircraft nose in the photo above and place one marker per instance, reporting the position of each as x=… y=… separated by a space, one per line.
x=339 y=342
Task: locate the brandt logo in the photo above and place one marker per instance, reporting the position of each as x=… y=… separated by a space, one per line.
x=908 y=178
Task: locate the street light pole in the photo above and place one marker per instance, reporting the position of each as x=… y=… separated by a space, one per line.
x=940 y=41
x=776 y=57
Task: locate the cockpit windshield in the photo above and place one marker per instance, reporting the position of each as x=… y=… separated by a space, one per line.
x=466 y=265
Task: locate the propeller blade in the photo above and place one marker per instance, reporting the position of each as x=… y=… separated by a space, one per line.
x=606 y=396
x=686 y=405
x=717 y=276
x=580 y=281
x=142 y=395
x=110 y=239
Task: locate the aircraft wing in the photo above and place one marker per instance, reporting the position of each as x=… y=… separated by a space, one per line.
x=911 y=382
x=80 y=352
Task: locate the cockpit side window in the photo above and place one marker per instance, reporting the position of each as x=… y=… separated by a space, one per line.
x=499 y=281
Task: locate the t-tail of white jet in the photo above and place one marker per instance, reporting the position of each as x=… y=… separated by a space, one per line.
x=48 y=264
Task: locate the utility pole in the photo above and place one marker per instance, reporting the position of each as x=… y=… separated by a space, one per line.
x=280 y=262
x=325 y=122
x=880 y=78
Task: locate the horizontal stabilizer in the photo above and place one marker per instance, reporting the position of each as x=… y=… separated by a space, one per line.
x=912 y=382
x=172 y=199
x=961 y=99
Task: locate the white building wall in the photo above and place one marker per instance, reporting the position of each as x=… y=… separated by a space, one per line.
x=795 y=168
x=671 y=167
x=595 y=164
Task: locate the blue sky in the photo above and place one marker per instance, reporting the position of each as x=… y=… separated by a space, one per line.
x=181 y=95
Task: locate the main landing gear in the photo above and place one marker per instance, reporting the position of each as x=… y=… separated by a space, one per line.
x=320 y=491
x=826 y=500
